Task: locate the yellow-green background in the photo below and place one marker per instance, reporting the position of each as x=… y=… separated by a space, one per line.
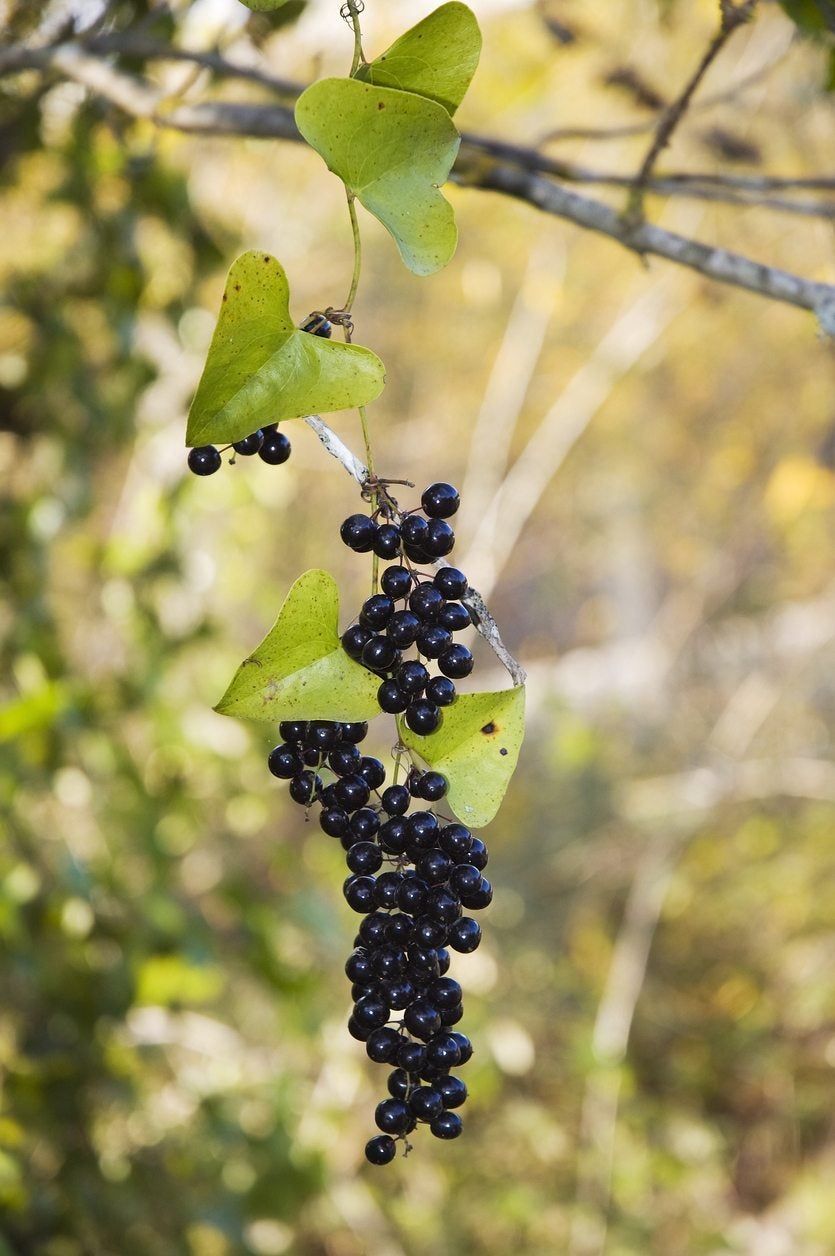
x=175 y=1075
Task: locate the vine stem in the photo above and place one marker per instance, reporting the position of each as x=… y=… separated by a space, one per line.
x=355 y=232
x=358 y=58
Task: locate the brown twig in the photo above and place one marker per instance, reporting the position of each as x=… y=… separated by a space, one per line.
x=732 y=17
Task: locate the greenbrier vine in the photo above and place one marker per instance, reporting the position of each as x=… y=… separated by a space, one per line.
x=415 y=872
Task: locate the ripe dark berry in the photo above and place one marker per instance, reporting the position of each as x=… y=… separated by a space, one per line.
x=412 y=895
x=392 y=1116
x=387 y=541
x=400 y=930
x=386 y=889
x=275 y=448
x=432 y=786
x=364 y=857
x=358 y=533
x=456 y=661
x=403 y=628
x=382 y=1045
x=380 y=654
x=446 y=1125
x=323 y=734
x=355 y=733
x=389 y=962
x=358 y=967
x=465 y=879
x=417 y=554
x=430 y=932
x=370 y=1012
x=479 y=898
x=432 y=640
x=396 y=800
x=451 y=583
x=423 y=717
x=250 y=444
x=454 y=616
x=333 y=821
x=357 y=1031
x=414 y=530
x=443 y=906
x=423 y=962
x=380 y=1150
x=426 y=601
x=399 y=1084
x=394 y=836
x=456 y=841
x=423 y=829
x=442 y=1051
x=396 y=582
x=354 y=640
x=440 y=501
x=477 y=854
x=441 y=691
x=304 y=787
x=359 y=895
x=453 y=1092
x=435 y=867
x=204 y=460
x=344 y=758
x=464 y=935
x=398 y=993
x=426 y=1103
x=352 y=792
x=373 y=929
x=364 y=824
x=376 y=611
x=412 y=677
x=372 y=771
x=293 y=731
x=443 y=961
x=440 y=538
x=391 y=698
x=411 y=1057
x=451 y=1015
x=446 y=993
x=284 y=762
x=465 y=1046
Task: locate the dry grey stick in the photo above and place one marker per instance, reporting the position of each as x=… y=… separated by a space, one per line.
x=484 y=622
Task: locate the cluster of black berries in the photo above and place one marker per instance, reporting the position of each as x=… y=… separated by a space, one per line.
x=412 y=876
x=414 y=609
x=268 y=443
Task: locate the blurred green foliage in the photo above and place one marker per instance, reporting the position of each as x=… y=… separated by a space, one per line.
x=175 y=1076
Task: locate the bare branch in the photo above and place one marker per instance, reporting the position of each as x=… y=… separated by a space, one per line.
x=719 y=264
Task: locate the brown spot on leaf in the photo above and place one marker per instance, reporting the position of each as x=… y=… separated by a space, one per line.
x=237 y=287
x=503 y=750
x=226 y=296
x=381 y=104
x=266 y=257
x=489 y=728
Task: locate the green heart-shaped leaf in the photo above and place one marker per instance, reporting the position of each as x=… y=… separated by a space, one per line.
x=392 y=149
x=436 y=59
x=300 y=671
x=262 y=369
x=263 y=6
x=476 y=749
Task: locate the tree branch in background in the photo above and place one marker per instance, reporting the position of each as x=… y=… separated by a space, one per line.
x=513 y=171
